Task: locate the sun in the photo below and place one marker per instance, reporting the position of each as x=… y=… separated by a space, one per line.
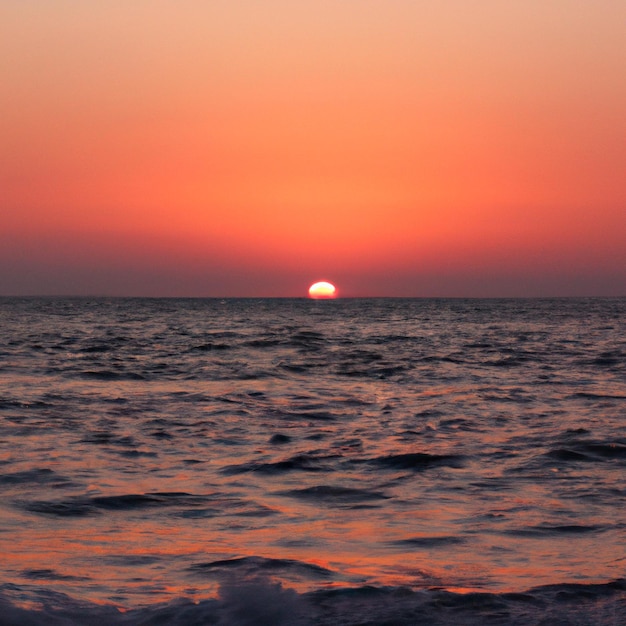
x=322 y=290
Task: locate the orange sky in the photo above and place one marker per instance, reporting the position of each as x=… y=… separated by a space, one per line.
x=245 y=148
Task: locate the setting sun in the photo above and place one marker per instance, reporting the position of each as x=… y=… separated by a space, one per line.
x=322 y=290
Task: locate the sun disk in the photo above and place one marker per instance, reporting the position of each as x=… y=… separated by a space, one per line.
x=322 y=290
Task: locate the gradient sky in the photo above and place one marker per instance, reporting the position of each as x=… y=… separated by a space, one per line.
x=250 y=148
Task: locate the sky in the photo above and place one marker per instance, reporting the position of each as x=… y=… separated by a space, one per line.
x=244 y=148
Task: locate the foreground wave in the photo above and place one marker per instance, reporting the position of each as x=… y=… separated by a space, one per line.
x=264 y=603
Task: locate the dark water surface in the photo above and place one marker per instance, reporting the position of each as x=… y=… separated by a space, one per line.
x=388 y=461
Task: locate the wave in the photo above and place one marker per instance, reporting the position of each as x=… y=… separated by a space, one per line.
x=39 y=476
x=554 y=530
x=417 y=461
x=80 y=506
x=254 y=566
x=262 y=602
x=588 y=451
x=333 y=494
x=301 y=462
x=430 y=542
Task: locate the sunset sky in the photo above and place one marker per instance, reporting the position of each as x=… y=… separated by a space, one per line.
x=250 y=148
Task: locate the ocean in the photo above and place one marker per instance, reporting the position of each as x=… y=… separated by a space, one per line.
x=291 y=461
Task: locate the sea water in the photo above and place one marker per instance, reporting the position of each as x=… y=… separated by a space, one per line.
x=288 y=461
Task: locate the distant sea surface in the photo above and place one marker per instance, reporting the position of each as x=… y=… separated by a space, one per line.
x=289 y=461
